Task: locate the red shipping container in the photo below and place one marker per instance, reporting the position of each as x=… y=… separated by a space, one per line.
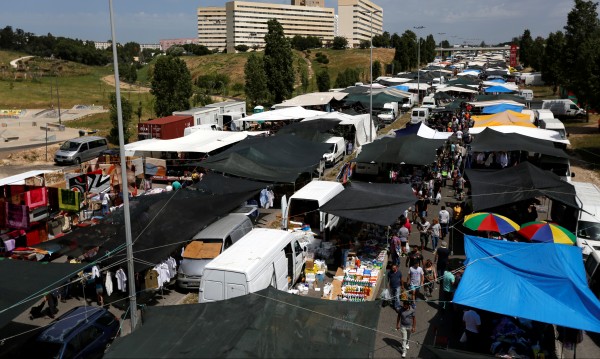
x=165 y=128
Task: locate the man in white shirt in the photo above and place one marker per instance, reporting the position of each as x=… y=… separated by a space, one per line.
x=444 y=220
x=472 y=323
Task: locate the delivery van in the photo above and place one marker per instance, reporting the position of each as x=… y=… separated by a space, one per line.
x=80 y=149
x=264 y=257
x=419 y=114
x=541 y=114
x=553 y=124
x=336 y=151
x=303 y=207
x=207 y=244
x=563 y=108
x=588 y=221
x=429 y=102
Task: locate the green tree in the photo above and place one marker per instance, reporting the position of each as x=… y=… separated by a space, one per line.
x=428 y=49
x=303 y=71
x=536 y=53
x=175 y=51
x=581 y=53
x=171 y=85
x=348 y=77
x=339 y=43
x=242 y=48
x=364 y=44
x=376 y=69
x=384 y=40
x=525 y=45
x=406 y=51
x=323 y=80
x=551 y=61
x=278 y=62
x=126 y=111
x=256 y=88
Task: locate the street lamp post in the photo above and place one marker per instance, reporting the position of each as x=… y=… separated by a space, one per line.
x=441 y=56
x=418 y=62
x=371 y=76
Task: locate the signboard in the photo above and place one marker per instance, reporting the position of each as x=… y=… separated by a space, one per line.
x=513 y=55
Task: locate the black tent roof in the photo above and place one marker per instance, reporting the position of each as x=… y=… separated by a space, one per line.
x=280 y=158
x=490 y=140
x=464 y=80
x=525 y=181
x=23 y=283
x=501 y=96
x=314 y=130
x=265 y=324
x=214 y=183
x=378 y=203
x=411 y=149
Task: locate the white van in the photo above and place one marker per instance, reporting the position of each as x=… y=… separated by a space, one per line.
x=418 y=115
x=527 y=95
x=588 y=222
x=303 y=207
x=336 y=151
x=560 y=166
x=207 y=245
x=428 y=102
x=264 y=257
x=555 y=125
x=542 y=114
x=80 y=149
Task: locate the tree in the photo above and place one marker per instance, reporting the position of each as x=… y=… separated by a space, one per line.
x=339 y=43
x=364 y=44
x=303 y=71
x=384 y=40
x=581 y=53
x=175 y=51
x=428 y=49
x=348 y=77
x=525 y=44
x=171 y=85
x=278 y=62
x=536 y=53
x=376 y=69
x=323 y=81
x=126 y=111
x=551 y=61
x=406 y=51
x=256 y=88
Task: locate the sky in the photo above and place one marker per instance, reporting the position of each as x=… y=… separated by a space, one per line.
x=148 y=21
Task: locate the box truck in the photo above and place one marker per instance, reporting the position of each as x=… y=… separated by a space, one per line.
x=389 y=112
x=588 y=221
x=264 y=257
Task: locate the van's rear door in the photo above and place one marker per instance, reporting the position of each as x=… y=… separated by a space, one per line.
x=235 y=285
x=211 y=286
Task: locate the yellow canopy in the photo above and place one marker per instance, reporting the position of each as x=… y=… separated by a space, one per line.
x=506 y=118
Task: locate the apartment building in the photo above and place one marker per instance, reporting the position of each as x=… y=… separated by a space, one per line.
x=166 y=43
x=317 y=3
x=245 y=23
x=354 y=20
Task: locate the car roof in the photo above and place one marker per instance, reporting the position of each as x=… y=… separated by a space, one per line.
x=66 y=323
x=86 y=139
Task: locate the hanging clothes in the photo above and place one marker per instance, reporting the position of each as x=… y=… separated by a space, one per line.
x=270 y=198
x=264 y=197
x=69 y=200
x=151 y=279
x=108 y=284
x=95 y=272
x=121 y=280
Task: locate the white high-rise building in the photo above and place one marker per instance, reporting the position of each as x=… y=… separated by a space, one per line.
x=355 y=20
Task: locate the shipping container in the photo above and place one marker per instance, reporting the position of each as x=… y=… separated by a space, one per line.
x=202 y=115
x=164 y=128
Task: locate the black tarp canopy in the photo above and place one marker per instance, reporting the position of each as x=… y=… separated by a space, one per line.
x=491 y=140
x=265 y=324
x=378 y=203
x=160 y=223
x=525 y=181
x=379 y=99
x=314 y=130
x=279 y=159
x=411 y=149
x=23 y=283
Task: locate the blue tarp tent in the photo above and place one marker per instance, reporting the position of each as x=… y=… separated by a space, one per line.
x=498 y=89
x=410 y=130
x=500 y=81
x=501 y=108
x=543 y=282
x=402 y=87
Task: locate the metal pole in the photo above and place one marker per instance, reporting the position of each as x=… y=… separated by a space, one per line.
x=418 y=62
x=371 y=84
x=128 y=242
x=58 y=102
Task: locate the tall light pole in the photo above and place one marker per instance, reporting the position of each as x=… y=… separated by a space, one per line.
x=418 y=62
x=371 y=12
x=128 y=241
x=441 y=52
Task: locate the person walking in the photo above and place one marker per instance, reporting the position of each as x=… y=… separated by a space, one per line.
x=395 y=284
x=396 y=249
x=444 y=216
x=417 y=280
x=430 y=278
x=436 y=232
x=472 y=322
x=441 y=257
x=424 y=231
x=407 y=324
x=447 y=293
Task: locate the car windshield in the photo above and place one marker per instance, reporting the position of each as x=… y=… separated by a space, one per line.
x=588 y=230
x=43 y=350
x=69 y=146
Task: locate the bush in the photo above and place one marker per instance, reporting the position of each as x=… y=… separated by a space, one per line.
x=242 y=48
x=321 y=58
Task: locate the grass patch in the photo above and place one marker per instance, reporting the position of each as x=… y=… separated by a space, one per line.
x=339 y=60
x=585 y=142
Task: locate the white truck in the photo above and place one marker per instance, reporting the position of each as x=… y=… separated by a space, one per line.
x=429 y=102
x=588 y=220
x=409 y=102
x=389 y=112
x=264 y=257
x=564 y=108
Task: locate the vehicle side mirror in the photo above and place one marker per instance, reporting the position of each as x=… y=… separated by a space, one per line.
x=572 y=174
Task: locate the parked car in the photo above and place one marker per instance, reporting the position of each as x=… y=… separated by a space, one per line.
x=81 y=333
x=80 y=149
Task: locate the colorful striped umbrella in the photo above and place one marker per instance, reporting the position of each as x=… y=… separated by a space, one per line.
x=485 y=221
x=546 y=232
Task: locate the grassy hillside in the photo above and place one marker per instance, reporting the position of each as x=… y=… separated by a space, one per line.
x=351 y=58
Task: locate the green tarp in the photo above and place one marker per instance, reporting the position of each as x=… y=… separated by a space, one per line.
x=411 y=149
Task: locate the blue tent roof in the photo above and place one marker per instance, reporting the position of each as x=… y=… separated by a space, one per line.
x=543 y=282
x=501 y=108
x=500 y=81
x=500 y=89
x=408 y=130
x=401 y=87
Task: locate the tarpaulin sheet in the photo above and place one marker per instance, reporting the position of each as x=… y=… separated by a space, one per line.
x=490 y=140
x=378 y=203
x=501 y=108
x=545 y=282
x=411 y=149
x=280 y=158
x=266 y=324
x=23 y=283
x=491 y=189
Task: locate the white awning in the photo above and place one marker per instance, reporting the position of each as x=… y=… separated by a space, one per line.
x=495 y=102
x=21 y=177
x=199 y=141
x=312 y=99
x=455 y=89
x=289 y=113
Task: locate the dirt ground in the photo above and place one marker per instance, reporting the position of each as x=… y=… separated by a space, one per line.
x=110 y=80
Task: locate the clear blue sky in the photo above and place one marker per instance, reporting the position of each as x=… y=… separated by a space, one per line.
x=148 y=21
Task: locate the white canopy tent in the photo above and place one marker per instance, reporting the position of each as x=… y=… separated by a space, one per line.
x=360 y=123
x=495 y=102
x=288 y=113
x=312 y=99
x=423 y=86
x=428 y=132
x=199 y=141
x=455 y=89
x=509 y=85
